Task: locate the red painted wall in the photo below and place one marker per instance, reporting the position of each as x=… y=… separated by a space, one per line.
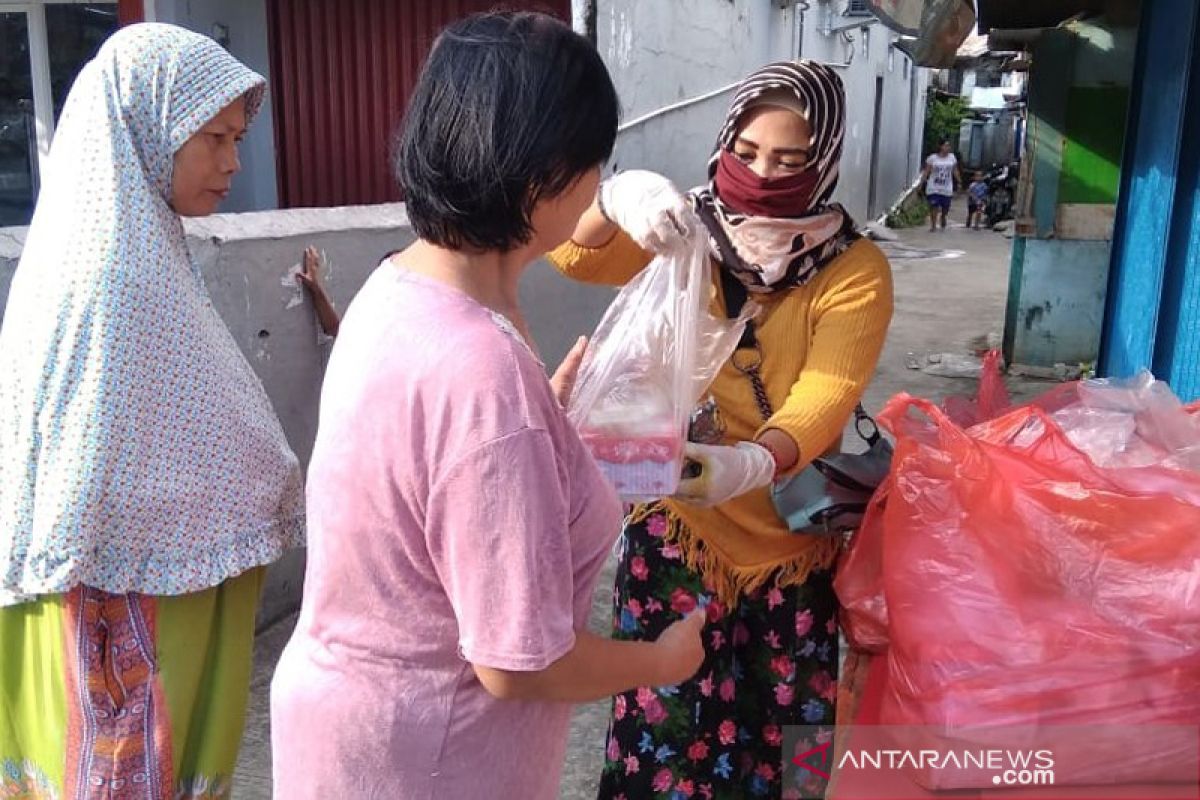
x=130 y=11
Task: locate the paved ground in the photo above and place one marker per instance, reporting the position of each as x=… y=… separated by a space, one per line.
x=950 y=290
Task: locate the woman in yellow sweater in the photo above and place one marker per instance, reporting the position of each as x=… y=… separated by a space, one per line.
x=781 y=400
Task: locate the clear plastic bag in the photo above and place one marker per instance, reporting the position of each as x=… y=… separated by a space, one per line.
x=1133 y=423
x=655 y=351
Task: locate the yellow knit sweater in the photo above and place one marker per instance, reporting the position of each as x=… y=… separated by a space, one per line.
x=820 y=344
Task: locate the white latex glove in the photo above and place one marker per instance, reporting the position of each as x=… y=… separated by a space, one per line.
x=725 y=472
x=649 y=208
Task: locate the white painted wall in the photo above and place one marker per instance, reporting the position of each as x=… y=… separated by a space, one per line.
x=969 y=79
x=902 y=112
x=667 y=51
x=255 y=187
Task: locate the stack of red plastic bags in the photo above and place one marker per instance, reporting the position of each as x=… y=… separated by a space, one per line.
x=1038 y=569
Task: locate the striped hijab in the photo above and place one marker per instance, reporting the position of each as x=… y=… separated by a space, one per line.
x=780 y=253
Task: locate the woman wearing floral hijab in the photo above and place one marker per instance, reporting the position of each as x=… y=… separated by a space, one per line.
x=780 y=401
x=144 y=478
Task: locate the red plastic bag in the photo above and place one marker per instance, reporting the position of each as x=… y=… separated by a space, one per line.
x=990 y=401
x=1132 y=423
x=859 y=580
x=1028 y=586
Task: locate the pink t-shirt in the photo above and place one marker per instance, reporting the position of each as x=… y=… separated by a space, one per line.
x=454 y=516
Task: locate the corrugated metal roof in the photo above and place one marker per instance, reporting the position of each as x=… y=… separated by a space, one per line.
x=341 y=75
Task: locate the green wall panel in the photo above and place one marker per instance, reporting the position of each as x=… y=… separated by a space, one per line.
x=1095 y=132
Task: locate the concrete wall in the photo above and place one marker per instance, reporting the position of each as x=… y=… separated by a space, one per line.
x=247 y=261
x=661 y=53
x=11 y=241
x=255 y=187
x=902 y=116
x=1059 y=311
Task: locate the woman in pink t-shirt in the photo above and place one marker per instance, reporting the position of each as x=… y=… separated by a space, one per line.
x=456 y=522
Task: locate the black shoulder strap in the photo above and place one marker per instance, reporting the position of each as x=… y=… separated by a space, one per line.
x=735 y=298
x=734 y=290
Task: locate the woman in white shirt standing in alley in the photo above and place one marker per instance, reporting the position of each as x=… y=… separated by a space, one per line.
x=941 y=174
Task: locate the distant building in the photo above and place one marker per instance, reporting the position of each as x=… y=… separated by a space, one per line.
x=993 y=85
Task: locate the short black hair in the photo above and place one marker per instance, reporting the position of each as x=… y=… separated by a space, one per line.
x=510 y=108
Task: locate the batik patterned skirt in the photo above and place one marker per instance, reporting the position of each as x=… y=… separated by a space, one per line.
x=125 y=696
x=771 y=661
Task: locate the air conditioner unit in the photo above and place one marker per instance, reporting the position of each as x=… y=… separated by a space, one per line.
x=858 y=8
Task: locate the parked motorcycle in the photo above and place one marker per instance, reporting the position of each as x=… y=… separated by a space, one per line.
x=1002 y=192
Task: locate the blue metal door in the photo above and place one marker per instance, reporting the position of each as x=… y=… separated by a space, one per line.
x=1152 y=317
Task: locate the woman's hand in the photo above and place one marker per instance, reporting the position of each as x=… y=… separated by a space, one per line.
x=649 y=208
x=725 y=472
x=563 y=380
x=681 y=648
x=598 y=667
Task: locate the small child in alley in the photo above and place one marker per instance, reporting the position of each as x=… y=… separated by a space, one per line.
x=977 y=195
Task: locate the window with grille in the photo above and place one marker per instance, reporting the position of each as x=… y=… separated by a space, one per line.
x=988 y=79
x=858 y=8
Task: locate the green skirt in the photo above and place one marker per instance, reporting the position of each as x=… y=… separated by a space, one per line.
x=125 y=695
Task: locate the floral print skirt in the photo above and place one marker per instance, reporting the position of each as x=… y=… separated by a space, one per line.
x=769 y=662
